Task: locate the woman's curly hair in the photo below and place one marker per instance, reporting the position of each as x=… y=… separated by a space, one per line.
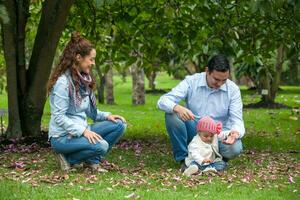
x=77 y=45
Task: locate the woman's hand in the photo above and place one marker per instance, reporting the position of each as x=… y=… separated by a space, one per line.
x=92 y=136
x=114 y=118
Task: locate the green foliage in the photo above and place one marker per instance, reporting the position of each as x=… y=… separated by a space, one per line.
x=265 y=27
x=166 y=34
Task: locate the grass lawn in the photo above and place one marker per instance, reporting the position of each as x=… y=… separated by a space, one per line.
x=141 y=166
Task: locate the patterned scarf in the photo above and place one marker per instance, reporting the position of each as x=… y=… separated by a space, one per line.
x=84 y=90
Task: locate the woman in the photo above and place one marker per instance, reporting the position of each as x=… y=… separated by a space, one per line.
x=72 y=100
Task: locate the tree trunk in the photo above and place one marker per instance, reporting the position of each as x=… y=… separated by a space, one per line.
x=138 y=85
x=291 y=76
x=123 y=74
x=202 y=60
x=270 y=85
x=53 y=18
x=109 y=87
x=278 y=71
x=151 y=78
x=14 y=44
x=265 y=89
x=27 y=86
x=232 y=71
x=101 y=85
x=294 y=68
x=190 y=67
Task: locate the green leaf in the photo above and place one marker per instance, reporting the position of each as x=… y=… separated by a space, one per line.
x=145 y=15
x=99 y=3
x=133 y=11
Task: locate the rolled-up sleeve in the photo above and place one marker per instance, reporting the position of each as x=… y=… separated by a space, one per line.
x=96 y=115
x=168 y=101
x=236 y=113
x=101 y=116
x=59 y=106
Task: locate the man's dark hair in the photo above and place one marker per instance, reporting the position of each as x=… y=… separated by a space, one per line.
x=219 y=63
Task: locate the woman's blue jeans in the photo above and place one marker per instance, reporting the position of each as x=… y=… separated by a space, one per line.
x=79 y=149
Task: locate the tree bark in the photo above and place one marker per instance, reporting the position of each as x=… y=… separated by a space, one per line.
x=138 y=85
x=232 y=71
x=9 y=35
x=291 y=76
x=272 y=84
x=101 y=85
x=123 y=74
x=27 y=86
x=53 y=18
x=151 y=78
x=294 y=69
x=265 y=85
x=190 y=67
x=109 y=87
x=278 y=71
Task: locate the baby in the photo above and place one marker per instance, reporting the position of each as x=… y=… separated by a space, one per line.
x=203 y=151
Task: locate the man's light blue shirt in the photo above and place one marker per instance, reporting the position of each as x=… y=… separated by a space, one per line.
x=223 y=104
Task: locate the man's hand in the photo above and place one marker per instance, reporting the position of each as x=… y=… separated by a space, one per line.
x=114 y=118
x=232 y=137
x=92 y=136
x=184 y=113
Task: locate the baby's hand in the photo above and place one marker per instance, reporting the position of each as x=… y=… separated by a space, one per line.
x=206 y=161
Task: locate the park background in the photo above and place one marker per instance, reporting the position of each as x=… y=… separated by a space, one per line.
x=144 y=48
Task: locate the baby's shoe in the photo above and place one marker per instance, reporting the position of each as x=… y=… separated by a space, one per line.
x=209 y=169
x=192 y=169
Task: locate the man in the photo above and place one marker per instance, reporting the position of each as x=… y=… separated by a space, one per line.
x=207 y=93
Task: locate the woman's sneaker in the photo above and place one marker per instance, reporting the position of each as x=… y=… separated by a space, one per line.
x=192 y=169
x=64 y=164
x=77 y=166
